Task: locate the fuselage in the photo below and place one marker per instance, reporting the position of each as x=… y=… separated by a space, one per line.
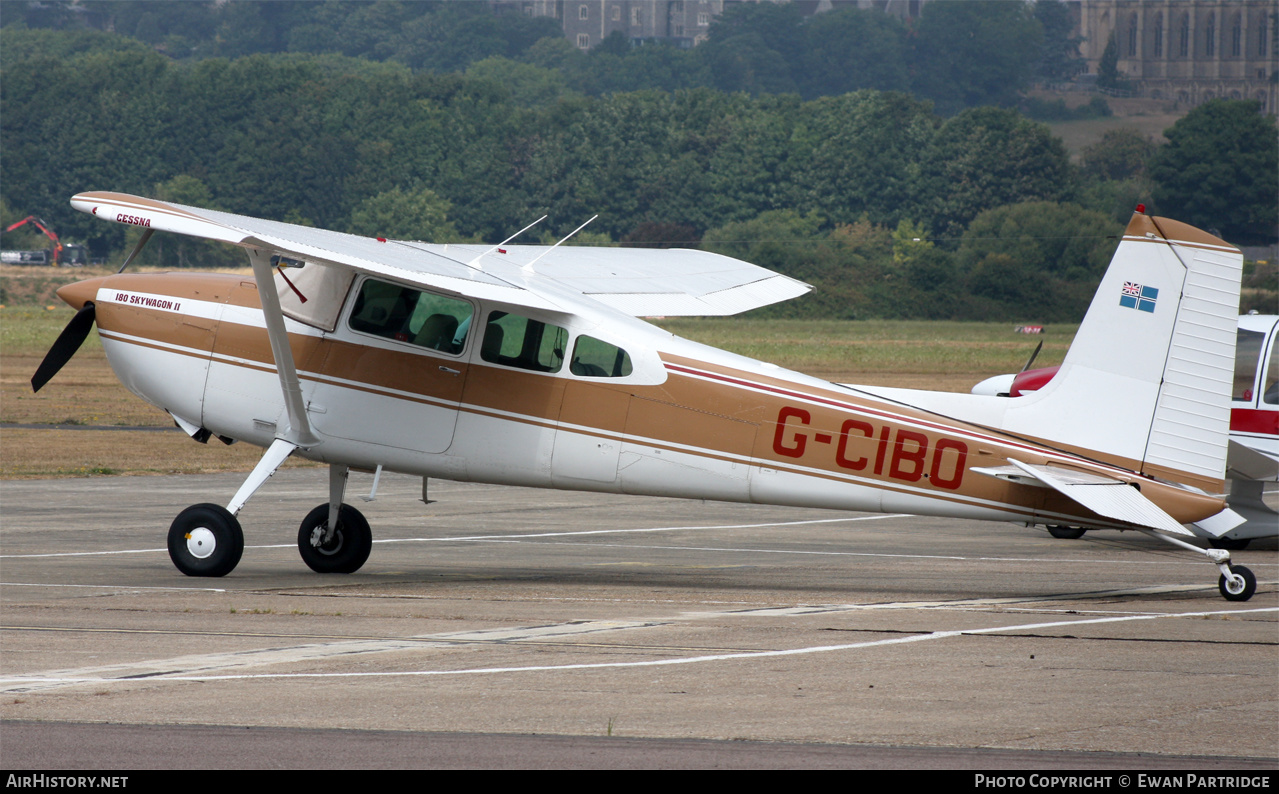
x=678 y=419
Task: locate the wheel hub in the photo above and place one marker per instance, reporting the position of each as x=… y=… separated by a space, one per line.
x=317 y=540
x=201 y=542
x=1235 y=584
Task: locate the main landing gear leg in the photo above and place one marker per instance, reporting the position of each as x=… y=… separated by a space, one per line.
x=1236 y=583
x=335 y=537
x=206 y=539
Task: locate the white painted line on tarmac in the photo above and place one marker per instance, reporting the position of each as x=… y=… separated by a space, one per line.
x=27 y=683
x=211 y=663
x=522 y=536
x=115 y=587
x=506 y=537
x=80 y=553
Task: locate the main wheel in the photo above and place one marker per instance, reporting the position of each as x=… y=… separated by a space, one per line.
x=346 y=551
x=1066 y=533
x=205 y=540
x=1232 y=590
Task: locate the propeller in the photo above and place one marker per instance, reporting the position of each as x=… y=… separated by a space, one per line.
x=1033 y=356
x=67 y=343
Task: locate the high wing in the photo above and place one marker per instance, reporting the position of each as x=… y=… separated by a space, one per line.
x=637 y=282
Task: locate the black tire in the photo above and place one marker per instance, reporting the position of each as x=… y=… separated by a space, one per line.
x=349 y=548
x=1249 y=584
x=1066 y=533
x=1229 y=544
x=205 y=540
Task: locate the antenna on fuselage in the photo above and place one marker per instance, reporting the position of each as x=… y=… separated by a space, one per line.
x=529 y=266
x=476 y=261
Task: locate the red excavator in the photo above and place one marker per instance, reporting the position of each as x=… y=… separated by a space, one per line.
x=69 y=254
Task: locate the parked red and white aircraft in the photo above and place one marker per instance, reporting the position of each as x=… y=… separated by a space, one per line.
x=1252 y=459
x=528 y=365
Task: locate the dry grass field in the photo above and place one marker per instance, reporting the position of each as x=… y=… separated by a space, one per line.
x=85 y=423
x=1150 y=117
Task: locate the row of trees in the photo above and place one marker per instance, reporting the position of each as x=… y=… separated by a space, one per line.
x=956 y=54
x=888 y=207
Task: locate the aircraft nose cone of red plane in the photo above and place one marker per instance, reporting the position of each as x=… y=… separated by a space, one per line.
x=81 y=292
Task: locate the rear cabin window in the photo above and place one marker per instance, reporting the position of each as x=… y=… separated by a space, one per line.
x=404 y=314
x=1247 y=352
x=593 y=358
x=516 y=341
x=1270 y=395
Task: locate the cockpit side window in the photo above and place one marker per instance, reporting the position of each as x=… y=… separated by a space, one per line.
x=404 y=314
x=516 y=341
x=594 y=358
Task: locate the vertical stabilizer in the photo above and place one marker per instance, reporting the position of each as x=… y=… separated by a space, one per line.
x=1146 y=383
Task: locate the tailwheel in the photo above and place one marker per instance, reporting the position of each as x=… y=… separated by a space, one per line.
x=1239 y=586
x=1066 y=533
x=205 y=540
x=342 y=551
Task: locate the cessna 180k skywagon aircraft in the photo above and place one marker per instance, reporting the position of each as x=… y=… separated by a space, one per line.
x=527 y=365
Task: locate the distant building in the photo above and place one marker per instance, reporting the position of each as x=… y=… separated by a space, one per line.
x=1188 y=51
x=684 y=23
x=586 y=23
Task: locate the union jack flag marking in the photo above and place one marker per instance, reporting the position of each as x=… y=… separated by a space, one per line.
x=1138 y=296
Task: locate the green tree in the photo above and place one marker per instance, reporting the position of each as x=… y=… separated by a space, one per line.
x=661 y=235
x=747 y=63
x=860 y=153
x=787 y=242
x=985 y=158
x=404 y=215
x=910 y=242
x=529 y=85
x=453 y=35
x=1037 y=259
x=1059 y=59
x=755 y=47
x=778 y=26
x=1220 y=170
x=178 y=250
x=981 y=52
x=1108 y=67
x=1059 y=239
x=1120 y=154
x=851 y=49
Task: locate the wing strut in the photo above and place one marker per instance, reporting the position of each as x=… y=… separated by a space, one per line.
x=299 y=433
x=142 y=243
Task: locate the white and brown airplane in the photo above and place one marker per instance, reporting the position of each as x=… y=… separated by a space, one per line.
x=528 y=365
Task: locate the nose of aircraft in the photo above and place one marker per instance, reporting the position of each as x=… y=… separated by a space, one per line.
x=77 y=294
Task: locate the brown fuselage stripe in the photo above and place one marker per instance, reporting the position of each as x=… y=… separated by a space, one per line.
x=691 y=413
x=1026 y=511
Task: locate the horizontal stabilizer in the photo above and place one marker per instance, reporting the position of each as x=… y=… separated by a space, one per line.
x=1113 y=499
x=1249 y=463
x=1221 y=523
